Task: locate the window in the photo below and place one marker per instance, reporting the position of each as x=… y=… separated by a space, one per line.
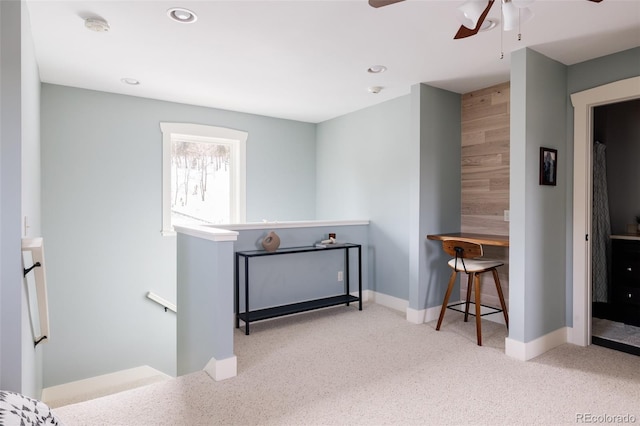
x=203 y=175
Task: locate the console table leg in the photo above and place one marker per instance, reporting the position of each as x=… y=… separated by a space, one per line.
x=346 y=273
x=246 y=296
x=237 y=288
x=359 y=278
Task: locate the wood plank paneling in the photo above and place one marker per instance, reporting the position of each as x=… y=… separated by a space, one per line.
x=485 y=176
x=485 y=159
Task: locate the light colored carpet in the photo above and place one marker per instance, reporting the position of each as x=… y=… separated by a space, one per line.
x=616 y=331
x=342 y=366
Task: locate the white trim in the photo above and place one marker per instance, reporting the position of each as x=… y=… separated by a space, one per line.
x=366 y=295
x=207 y=232
x=222 y=369
x=105 y=384
x=415 y=316
x=292 y=224
x=238 y=141
x=390 y=301
x=526 y=351
x=583 y=103
x=432 y=314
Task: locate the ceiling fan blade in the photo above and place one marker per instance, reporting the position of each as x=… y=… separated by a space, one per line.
x=380 y=3
x=467 y=32
x=596 y=1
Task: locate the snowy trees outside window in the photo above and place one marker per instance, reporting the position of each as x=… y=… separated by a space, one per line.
x=203 y=172
x=200 y=181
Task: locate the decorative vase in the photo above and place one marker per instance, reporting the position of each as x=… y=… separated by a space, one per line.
x=271 y=242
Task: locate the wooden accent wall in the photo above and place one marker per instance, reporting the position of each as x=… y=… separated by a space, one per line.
x=485 y=160
x=485 y=175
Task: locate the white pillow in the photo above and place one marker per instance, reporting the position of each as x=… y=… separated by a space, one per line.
x=17 y=409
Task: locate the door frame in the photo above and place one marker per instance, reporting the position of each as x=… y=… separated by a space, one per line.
x=583 y=104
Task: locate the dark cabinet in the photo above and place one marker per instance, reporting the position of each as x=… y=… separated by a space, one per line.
x=625 y=274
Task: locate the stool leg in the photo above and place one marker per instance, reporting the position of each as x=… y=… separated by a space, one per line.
x=468 y=299
x=452 y=281
x=501 y=296
x=478 y=317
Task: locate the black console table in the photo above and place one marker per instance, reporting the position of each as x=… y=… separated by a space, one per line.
x=249 y=316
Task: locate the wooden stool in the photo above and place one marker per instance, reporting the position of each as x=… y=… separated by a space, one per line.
x=466 y=259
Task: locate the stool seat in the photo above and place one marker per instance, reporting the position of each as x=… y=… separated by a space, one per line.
x=468 y=259
x=474 y=265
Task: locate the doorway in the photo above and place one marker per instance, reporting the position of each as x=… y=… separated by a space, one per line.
x=583 y=102
x=615 y=238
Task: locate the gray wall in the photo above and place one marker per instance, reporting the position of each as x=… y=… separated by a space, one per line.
x=618 y=127
x=537 y=228
x=101 y=191
x=205 y=302
x=11 y=288
x=438 y=123
x=32 y=357
x=364 y=164
x=398 y=164
x=20 y=363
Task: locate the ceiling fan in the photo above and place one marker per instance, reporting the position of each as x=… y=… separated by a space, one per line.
x=473 y=13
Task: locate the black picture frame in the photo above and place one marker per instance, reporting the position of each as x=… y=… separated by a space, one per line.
x=548 y=166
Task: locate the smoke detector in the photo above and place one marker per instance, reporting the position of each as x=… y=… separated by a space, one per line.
x=98 y=25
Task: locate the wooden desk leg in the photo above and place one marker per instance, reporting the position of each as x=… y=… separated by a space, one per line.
x=501 y=296
x=445 y=302
x=478 y=310
x=468 y=299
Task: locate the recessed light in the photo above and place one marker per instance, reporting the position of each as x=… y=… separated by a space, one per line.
x=375 y=89
x=182 y=15
x=130 y=81
x=377 y=69
x=98 y=25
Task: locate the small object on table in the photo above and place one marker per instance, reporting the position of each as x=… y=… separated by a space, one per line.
x=271 y=242
x=325 y=243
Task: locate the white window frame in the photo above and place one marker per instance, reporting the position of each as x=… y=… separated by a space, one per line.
x=237 y=140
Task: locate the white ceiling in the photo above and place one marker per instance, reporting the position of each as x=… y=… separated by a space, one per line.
x=305 y=60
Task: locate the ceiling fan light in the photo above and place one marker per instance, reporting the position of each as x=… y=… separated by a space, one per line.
x=469 y=12
x=514 y=16
x=522 y=3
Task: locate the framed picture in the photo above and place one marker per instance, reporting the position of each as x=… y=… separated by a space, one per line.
x=548 y=166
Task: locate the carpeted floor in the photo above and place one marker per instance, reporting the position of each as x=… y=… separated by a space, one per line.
x=342 y=366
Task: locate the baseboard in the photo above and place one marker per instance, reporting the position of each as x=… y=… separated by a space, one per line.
x=577 y=337
x=366 y=295
x=389 y=301
x=420 y=316
x=222 y=369
x=526 y=351
x=98 y=386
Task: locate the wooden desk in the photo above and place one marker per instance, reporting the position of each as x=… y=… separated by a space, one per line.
x=489 y=240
